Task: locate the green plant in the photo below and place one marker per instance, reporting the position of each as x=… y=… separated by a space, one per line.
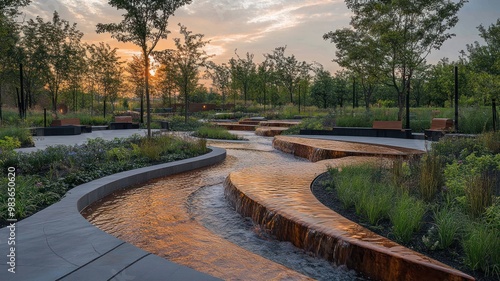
x=482 y=249
x=479 y=192
x=23 y=135
x=431 y=177
x=491 y=141
x=448 y=224
x=406 y=216
x=375 y=202
x=213 y=132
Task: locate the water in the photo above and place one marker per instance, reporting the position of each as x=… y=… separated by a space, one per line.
x=186 y=219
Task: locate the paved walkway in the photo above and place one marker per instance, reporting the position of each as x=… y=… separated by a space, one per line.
x=45 y=141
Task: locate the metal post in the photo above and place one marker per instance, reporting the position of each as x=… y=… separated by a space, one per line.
x=456 y=98
x=408 y=106
x=494 y=108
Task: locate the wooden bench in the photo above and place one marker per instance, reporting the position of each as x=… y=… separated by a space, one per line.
x=65 y=122
x=439 y=126
x=388 y=125
x=123 y=122
x=123 y=119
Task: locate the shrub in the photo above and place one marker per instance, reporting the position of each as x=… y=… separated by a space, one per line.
x=213 y=132
x=23 y=135
x=406 y=216
x=178 y=123
x=456 y=148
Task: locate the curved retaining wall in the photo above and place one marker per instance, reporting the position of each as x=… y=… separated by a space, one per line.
x=280 y=200
x=57 y=243
x=317 y=149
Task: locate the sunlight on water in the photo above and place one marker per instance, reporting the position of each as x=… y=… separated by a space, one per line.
x=168 y=217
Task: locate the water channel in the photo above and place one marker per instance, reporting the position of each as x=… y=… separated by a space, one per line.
x=186 y=219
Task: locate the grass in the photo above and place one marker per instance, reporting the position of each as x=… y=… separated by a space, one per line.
x=448 y=224
x=431 y=177
x=406 y=217
x=214 y=132
x=482 y=249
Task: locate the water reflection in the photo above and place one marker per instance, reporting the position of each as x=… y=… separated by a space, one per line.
x=185 y=219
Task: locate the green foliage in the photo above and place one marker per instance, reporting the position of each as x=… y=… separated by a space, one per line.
x=431 y=178
x=479 y=192
x=376 y=202
x=213 y=132
x=365 y=188
x=8 y=144
x=448 y=223
x=482 y=249
x=456 y=148
x=178 y=123
x=406 y=217
x=23 y=135
x=315 y=123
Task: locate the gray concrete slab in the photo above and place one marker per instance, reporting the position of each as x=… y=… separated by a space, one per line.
x=45 y=141
x=58 y=242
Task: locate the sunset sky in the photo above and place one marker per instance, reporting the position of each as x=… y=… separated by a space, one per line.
x=257 y=26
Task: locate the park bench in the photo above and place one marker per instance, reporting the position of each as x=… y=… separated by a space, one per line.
x=123 y=122
x=388 y=125
x=65 y=122
x=383 y=129
x=64 y=127
x=439 y=126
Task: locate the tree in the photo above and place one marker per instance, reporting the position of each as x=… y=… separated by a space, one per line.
x=56 y=45
x=166 y=83
x=107 y=68
x=322 y=90
x=135 y=70
x=401 y=33
x=289 y=69
x=265 y=77
x=185 y=61
x=10 y=7
x=144 y=24
x=484 y=61
x=242 y=73
x=221 y=78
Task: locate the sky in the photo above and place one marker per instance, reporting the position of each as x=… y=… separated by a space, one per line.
x=258 y=26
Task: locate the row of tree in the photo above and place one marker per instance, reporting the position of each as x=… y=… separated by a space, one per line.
x=383 y=56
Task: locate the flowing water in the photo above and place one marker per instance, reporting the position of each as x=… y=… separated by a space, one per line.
x=186 y=219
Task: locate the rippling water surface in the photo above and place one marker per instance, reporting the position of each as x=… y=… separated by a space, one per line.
x=186 y=219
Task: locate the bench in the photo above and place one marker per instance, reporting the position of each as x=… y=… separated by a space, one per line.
x=388 y=125
x=123 y=122
x=65 y=122
x=439 y=126
x=64 y=127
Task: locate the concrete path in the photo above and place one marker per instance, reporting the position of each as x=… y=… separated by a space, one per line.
x=45 y=141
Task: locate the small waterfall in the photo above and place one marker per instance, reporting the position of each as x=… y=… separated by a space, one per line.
x=341 y=252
